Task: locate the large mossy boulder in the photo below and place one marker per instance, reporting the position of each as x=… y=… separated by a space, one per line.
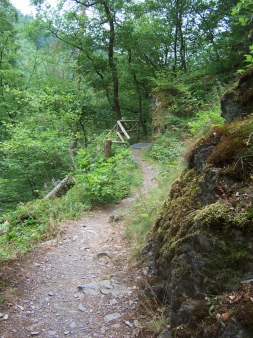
x=170 y=103
x=202 y=241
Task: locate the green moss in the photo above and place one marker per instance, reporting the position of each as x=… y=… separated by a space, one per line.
x=233 y=149
x=233 y=92
x=219 y=216
x=174 y=223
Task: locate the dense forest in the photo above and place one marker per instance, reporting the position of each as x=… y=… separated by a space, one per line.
x=68 y=74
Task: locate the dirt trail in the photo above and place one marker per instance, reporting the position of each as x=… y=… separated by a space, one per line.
x=80 y=285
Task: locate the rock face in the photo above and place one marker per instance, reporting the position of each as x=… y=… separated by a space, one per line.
x=166 y=106
x=237 y=102
x=201 y=247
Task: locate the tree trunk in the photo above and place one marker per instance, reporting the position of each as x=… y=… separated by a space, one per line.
x=107 y=148
x=140 y=105
x=112 y=64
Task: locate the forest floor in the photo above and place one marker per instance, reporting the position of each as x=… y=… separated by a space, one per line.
x=83 y=284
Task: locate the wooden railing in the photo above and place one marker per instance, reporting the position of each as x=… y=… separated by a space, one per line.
x=123 y=128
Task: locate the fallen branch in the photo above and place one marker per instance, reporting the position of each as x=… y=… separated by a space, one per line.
x=61 y=188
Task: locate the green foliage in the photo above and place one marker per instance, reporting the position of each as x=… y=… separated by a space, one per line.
x=96 y=181
x=148 y=206
x=205 y=120
x=167 y=147
x=10 y=76
x=176 y=99
x=243 y=10
x=104 y=180
x=25 y=227
x=40 y=148
x=165 y=150
x=34 y=156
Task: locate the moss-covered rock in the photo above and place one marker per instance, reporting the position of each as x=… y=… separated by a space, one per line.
x=170 y=104
x=203 y=237
x=237 y=102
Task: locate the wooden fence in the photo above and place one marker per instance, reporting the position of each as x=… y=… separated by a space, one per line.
x=120 y=134
x=123 y=128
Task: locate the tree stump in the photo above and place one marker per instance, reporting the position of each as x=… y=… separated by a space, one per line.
x=107 y=148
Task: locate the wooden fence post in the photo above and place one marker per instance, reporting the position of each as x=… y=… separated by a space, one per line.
x=107 y=148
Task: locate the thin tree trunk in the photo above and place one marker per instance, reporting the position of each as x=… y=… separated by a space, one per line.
x=182 y=44
x=112 y=64
x=107 y=148
x=140 y=105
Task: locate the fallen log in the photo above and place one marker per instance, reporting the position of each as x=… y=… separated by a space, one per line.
x=61 y=188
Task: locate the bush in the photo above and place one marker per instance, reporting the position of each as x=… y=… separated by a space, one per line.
x=205 y=120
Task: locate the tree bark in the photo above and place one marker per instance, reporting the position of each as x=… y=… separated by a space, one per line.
x=140 y=105
x=111 y=61
x=107 y=148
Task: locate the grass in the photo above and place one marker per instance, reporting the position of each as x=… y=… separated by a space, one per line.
x=146 y=208
x=153 y=314
x=2 y=298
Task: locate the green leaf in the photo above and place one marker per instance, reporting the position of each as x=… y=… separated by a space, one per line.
x=234 y=11
x=242 y=20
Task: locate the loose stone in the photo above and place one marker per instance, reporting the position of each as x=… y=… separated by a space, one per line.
x=113 y=301
x=128 y=323
x=115 y=326
x=136 y=323
x=111 y=317
x=105 y=255
x=81 y=308
x=165 y=334
x=73 y=325
x=90 y=288
x=103 y=329
x=20 y=307
x=106 y=284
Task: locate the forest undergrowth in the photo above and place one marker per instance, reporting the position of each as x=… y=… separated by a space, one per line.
x=96 y=181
